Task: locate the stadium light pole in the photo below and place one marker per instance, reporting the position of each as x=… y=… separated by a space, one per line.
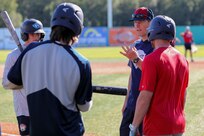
x=110 y=14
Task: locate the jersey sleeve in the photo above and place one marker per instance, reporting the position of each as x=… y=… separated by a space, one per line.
x=149 y=75
x=84 y=91
x=14 y=75
x=8 y=64
x=10 y=61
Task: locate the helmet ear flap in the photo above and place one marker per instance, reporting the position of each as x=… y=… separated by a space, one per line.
x=24 y=36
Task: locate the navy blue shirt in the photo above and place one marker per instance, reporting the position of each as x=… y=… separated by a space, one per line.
x=144 y=48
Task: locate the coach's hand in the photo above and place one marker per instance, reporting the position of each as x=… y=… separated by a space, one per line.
x=129 y=52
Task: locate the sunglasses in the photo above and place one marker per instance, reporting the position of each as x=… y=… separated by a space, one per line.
x=139 y=16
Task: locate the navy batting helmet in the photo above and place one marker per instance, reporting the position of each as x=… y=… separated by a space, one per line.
x=70 y=16
x=141 y=14
x=162 y=27
x=31 y=26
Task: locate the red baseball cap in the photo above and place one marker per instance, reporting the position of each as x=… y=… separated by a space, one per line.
x=142 y=13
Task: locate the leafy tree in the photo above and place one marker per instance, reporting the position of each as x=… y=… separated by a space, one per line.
x=184 y=12
x=11 y=7
x=35 y=9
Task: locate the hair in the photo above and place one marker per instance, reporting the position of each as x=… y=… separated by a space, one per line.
x=60 y=33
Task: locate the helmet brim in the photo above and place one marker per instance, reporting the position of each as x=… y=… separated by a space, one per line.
x=40 y=31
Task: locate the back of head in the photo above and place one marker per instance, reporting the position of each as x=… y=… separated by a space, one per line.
x=70 y=16
x=31 y=26
x=141 y=14
x=162 y=27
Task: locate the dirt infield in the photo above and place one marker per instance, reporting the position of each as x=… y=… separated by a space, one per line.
x=9 y=129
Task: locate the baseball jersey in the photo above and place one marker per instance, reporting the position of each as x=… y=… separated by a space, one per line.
x=57 y=80
x=188 y=37
x=165 y=72
x=19 y=95
x=143 y=49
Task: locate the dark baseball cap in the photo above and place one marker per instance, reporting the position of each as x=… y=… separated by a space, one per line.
x=141 y=14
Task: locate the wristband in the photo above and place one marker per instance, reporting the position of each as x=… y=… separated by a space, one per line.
x=133 y=130
x=136 y=60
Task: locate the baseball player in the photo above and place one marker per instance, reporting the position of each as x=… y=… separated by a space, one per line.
x=60 y=84
x=31 y=31
x=188 y=40
x=165 y=75
x=141 y=18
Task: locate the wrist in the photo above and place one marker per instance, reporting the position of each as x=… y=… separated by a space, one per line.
x=133 y=130
x=136 y=60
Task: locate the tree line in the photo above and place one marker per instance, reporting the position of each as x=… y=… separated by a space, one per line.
x=184 y=12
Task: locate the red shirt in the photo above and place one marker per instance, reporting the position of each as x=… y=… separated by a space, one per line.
x=188 y=37
x=165 y=72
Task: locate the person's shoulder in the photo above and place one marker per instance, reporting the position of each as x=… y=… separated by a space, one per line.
x=14 y=52
x=79 y=56
x=137 y=42
x=36 y=44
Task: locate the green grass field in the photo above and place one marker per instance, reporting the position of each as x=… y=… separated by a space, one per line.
x=105 y=116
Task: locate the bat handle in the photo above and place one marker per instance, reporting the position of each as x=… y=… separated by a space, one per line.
x=20 y=47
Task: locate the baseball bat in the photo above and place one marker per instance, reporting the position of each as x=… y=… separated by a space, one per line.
x=9 y=25
x=110 y=90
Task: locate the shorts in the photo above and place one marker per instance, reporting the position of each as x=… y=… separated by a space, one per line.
x=24 y=125
x=127 y=119
x=187 y=46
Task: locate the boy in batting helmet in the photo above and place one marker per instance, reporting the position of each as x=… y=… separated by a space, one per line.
x=31 y=31
x=165 y=75
x=59 y=87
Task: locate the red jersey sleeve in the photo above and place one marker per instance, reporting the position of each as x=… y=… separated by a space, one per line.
x=149 y=74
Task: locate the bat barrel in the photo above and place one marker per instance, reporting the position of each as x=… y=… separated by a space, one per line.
x=110 y=90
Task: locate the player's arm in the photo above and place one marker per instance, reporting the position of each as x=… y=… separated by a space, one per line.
x=14 y=75
x=142 y=106
x=85 y=107
x=84 y=92
x=5 y=82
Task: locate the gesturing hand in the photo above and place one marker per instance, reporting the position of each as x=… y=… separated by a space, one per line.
x=129 y=52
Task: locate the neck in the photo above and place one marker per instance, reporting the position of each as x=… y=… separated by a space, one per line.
x=161 y=43
x=26 y=43
x=144 y=38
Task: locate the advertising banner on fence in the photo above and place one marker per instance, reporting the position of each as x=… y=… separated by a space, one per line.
x=93 y=36
x=121 y=35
